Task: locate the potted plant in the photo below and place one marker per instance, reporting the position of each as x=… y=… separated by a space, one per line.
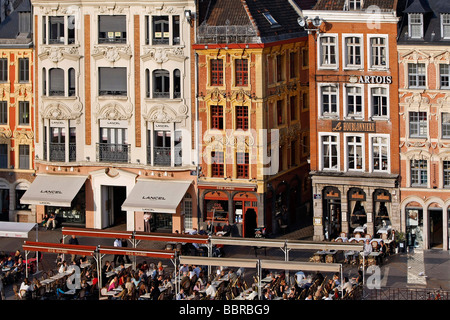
x=400 y=239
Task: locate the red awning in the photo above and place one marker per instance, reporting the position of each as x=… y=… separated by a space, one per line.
x=96 y=233
x=59 y=248
x=165 y=254
x=167 y=237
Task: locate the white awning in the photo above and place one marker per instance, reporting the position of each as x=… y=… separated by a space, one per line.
x=53 y=190
x=15 y=229
x=156 y=196
x=225 y=262
x=303 y=266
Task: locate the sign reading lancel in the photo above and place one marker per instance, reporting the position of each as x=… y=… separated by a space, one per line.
x=51 y=191
x=154 y=198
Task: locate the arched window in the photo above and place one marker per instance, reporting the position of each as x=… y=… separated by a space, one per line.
x=176 y=84
x=71 y=82
x=161 y=84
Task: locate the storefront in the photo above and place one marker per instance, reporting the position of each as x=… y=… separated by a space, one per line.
x=331 y=212
x=63 y=195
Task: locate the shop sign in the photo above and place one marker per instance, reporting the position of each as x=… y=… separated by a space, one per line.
x=371 y=79
x=113 y=123
x=353 y=126
x=318 y=221
x=162 y=126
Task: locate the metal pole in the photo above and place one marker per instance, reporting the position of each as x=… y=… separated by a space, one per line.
x=37 y=252
x=26 y=264
x=258 y=274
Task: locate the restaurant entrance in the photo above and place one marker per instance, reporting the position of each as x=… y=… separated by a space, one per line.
x=113 y=198
x=331 y=212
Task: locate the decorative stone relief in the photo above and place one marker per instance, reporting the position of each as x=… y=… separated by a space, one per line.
x=112 y=53
x=162 y=55
x=59 y=53
x=23 y=136
x=114 y=111
x=60 y=111
x=164 y=114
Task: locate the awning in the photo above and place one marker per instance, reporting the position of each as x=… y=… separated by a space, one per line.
x=303 y=266
x=225 y=262
x=15 y=229
x=53 y=190
x=156 y=196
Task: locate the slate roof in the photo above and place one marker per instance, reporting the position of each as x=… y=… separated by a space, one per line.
x=249 y=15
x=431 y=10
x=9 y=27
x=338 y=5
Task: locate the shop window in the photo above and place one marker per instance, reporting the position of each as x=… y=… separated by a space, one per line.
x=19 y=206
x=75 y=215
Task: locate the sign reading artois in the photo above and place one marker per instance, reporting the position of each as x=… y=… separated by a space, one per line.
x=353 y=126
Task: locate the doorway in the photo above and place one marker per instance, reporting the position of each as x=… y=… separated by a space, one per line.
x=250 y=223
x=113 y=198
x=436 y=228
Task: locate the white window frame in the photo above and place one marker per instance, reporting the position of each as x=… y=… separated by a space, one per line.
x=441 y=126
x=418 y=123
x=417 y=75
x=371 y=107
x=440 y=75
x=351 y=4
x=345 y=52
x=410 y=176
x=371 y=153
x=363 y=152
x=369 y=51
x=346 y=106
x=320 y=100
x=321 y=153
x=442 y=169
x=321 y=65
x=410 y=24
x=445 y=24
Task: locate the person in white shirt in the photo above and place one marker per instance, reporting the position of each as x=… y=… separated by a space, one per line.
x=367 y=247
x=24 y=288
x=210 y=290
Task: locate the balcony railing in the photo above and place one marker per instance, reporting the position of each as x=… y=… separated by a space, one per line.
x=113 y=152
x=162 y=156
x=58 y=152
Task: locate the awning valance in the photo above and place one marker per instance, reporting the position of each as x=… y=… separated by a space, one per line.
x=15 y=229
x=53 y=190
x=225 y=262
x=156 y=196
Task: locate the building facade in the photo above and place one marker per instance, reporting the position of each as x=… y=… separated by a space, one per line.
x=424 y=66
x=353 y=116
x=114 y=114
x=252 y=62
x=16 y=110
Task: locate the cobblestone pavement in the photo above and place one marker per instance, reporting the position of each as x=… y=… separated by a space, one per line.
x=414 y=269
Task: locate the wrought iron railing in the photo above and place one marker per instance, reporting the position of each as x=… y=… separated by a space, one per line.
x=405 y=294
x=226 y=34
x=57 y=151
x=113 y=152
x=161 y=156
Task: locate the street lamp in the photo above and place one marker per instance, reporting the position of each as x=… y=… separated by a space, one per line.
x=304 y=22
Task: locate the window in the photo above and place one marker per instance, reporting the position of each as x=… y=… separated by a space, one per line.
x=446 y=175
x=354 y=4
x=279 y=60
x=162 y=148
x=444 y=75
x=242 y=117
x=112 y=81
x=175 y=30
x=187 y=210
x=24 y=113
x=3 y=156
x=24 y=156
x=418 y=124
x=355 y=153
x=56 y=30
x=161 y=84
x=19 y=206
x=71 y=82
x=354 y=101
x=280 y=117
x=216 y=72
x=242 y=165
x=416 y=25
x=113 y=146
x=293 y=107
x=305 y=101
x=56 y=82
x=3 y=70
x=161 y=33
x=217 y=117
x=176 y=84
x=329 y=96
x=380 y=147
x=305 y=57
x=293 y=152
x=329 y=152
x=3 y=112
x=445 y=19
x=446 y=125
x=419 y=174
x=328 y=51
x=24 y=70
x=379 y=100
x=241 y=72
x=57 y=144
x=112 y=29
x=353 y=52
x=293 y=64
x=416 y=75
x=217 y=164
x=378 y=52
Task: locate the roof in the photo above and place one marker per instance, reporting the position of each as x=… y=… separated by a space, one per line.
x=338 y=5
x=9 y=23
x=249 y=21
x=431 y=10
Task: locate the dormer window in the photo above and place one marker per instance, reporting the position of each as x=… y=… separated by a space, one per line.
x=416 y=25
x=445 y=25
x=355 y=4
